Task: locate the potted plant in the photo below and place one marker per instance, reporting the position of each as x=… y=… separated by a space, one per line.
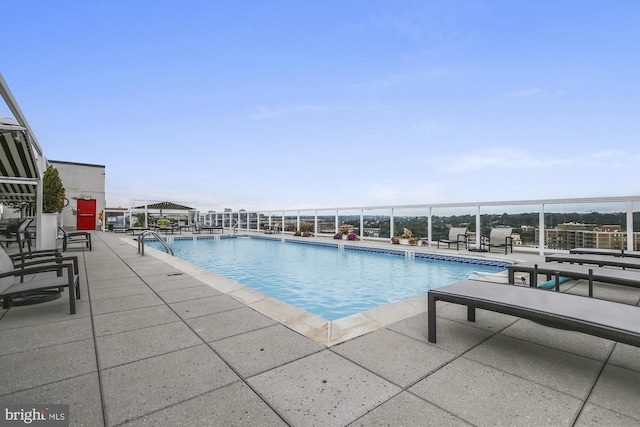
x=53 y=196
x=305 y=230
x=163 y=222
x=406 y=236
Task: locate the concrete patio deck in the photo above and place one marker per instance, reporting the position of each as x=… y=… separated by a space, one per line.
x=152 y=344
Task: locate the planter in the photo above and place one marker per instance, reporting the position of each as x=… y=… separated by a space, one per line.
x=49 y=233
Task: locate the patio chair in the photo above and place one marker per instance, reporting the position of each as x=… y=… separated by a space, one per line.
x=82 y=237
x=8 y=229
x=44 y=287
x=456 y=235
x=212 y=228
x=498 y=238
x=18 y=233
x=273 y=229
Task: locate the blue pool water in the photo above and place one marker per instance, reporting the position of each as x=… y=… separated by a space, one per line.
x=322 y=280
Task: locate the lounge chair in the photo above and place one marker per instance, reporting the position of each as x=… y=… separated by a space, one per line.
x=169 y=228
x=22 y=292
x=599 y=260
x=82 y=237
x=456 y=235
x=8 y=229
x=605 y=319
x=134 y=229
x=273 y=229
x=609 y=252
x=498 y=238
x=18 y=234
x=211 y=228
x=599 y=274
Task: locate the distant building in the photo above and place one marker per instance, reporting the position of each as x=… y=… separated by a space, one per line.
x=516 y=240
x=372 y=232
x=572 y=235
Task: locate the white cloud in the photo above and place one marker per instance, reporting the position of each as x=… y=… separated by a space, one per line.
x=525 y=93
x=265 y=113
x=532 y=161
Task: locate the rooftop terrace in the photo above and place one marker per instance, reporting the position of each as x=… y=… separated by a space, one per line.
x=154 y=344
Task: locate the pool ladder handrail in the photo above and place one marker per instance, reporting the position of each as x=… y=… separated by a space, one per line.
x=158 y=238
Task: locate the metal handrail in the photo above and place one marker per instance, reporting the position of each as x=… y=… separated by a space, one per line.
x=157 y=236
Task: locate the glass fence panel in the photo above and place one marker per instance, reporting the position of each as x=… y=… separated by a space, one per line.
x=570 y=226
x=252 y=221
x=307 y=222
x=290 y=222
x=411 y=222
x=326 y=222
x=636 y=226
x=522 y=219
x=377 y=223
x=242 y=219
x=443 y=219
x=263 y=220
x=349 y=221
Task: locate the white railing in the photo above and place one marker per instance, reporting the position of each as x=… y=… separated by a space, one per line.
x=483 y=215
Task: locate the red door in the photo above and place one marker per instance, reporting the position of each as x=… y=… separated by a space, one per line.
x=86 y=217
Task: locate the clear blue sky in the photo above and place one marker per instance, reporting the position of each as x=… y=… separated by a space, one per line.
x=291 y=104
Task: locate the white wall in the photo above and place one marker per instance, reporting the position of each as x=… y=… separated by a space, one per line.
x=79 y=180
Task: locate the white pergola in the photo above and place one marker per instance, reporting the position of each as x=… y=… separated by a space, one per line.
x=22 y=162
x=161 y=207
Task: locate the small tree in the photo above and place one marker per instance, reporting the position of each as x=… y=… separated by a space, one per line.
x=53 y=193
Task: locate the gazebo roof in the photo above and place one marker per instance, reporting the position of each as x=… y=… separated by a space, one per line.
x=169 y=206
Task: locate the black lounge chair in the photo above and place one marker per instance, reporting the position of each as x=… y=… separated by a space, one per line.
x=21 y=292
x=18 y=233
x=456 y=235
x=609 y=252
x=9 y=229
x=82 y=237
x=134 y=229
x=602 y=318
x=211 y=228
x=273 y=229
x=498 y=238
x=598 y=274
x=599 y=260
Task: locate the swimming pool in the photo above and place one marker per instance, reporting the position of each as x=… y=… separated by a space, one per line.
x=326 y=279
